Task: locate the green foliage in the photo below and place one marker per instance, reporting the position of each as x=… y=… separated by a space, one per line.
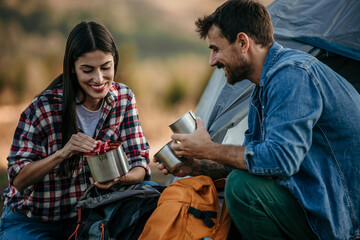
x=33 y=37
x=3 y=178
x=175 y=93
x=156 y=42
x=38 y=21
x=14 y=78
x=127 y=60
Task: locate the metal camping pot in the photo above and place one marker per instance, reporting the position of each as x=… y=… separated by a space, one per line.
x=109 y=165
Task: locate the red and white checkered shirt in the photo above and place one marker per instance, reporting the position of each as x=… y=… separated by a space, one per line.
x=38 y=135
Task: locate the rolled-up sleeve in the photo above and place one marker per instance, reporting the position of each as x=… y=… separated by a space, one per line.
x=28 y=141
x=134 y=141
x=292 y=105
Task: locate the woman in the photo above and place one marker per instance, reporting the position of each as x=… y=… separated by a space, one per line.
x=82 y=106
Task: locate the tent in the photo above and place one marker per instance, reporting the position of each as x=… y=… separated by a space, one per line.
x=327 y=29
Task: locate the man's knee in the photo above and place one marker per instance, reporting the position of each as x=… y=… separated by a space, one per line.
x=244 y=188
x=237 y=185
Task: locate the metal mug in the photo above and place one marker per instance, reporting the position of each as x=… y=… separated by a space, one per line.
x=109 y=165
x=184 y=124
x=168 y=158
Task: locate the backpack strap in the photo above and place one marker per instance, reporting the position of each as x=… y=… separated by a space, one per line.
x=204 y=215
x=79 y=222
x=102 y=227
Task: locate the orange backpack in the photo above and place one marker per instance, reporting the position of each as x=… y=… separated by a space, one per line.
x=189 y=209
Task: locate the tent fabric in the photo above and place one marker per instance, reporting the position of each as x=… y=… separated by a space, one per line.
x=306 y=25
x=331 y=25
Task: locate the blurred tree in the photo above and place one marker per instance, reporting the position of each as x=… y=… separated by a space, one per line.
x=175 y=93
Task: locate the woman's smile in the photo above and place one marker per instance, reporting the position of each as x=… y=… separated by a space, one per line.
x=98 y=88
x=95 y=74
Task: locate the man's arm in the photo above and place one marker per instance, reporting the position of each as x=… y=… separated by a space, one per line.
x=196 y=167
x=210 y=168
x=200 y=146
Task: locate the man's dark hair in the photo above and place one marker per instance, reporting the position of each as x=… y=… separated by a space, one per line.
x=235 y=16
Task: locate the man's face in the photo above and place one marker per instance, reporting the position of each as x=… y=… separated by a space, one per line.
x=227 y=56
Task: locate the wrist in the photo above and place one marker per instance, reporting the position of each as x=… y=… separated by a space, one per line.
x=135 y=175
x=195 y=167
x=212 y=150
x=59 y=156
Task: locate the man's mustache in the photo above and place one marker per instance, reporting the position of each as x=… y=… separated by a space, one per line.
x=219 y=65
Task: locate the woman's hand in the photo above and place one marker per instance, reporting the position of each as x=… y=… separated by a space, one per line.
x=105 y=185
x=79 y=142
x=135 y=175
x=35 y=171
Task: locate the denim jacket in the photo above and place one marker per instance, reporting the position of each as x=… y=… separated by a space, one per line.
x=304 y=130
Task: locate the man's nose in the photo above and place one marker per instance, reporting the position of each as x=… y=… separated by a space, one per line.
x=212 y=59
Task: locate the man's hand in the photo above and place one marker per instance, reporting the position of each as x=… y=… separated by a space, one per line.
x=183 y=170
x=199 y=145
x=195 y=145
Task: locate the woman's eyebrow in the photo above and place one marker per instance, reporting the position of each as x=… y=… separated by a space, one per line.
x=106 y=63
x=86 y=65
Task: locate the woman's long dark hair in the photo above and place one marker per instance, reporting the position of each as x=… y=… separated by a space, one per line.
x=86 y=37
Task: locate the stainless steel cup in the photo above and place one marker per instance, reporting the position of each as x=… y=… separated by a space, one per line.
x=184 y=124
x=108 y=165
x=168 y=158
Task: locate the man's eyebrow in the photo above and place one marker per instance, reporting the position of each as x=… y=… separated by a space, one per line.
x=212 y=46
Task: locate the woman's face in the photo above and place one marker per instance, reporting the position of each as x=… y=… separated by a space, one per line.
x=95 y=74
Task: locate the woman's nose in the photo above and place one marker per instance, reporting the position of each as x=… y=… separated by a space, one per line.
x=98 y=77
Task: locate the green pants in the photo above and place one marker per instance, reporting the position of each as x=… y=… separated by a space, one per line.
x=261 y=209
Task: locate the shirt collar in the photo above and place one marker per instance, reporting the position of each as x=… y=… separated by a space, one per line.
x=270 y=60
x=111 y=96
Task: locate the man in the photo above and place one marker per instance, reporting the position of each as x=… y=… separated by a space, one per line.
x=298 y=174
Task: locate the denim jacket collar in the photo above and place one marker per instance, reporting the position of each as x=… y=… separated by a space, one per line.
x=270 y=61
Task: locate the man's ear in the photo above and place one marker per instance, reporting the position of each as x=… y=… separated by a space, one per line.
x=243 y=41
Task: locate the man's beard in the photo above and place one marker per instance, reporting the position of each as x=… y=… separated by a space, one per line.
x=239 y=72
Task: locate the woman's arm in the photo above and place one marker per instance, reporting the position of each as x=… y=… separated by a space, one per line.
x=135 y=175
x=36 y=171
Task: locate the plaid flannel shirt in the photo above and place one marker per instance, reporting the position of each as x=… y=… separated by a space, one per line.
x=38 y=135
